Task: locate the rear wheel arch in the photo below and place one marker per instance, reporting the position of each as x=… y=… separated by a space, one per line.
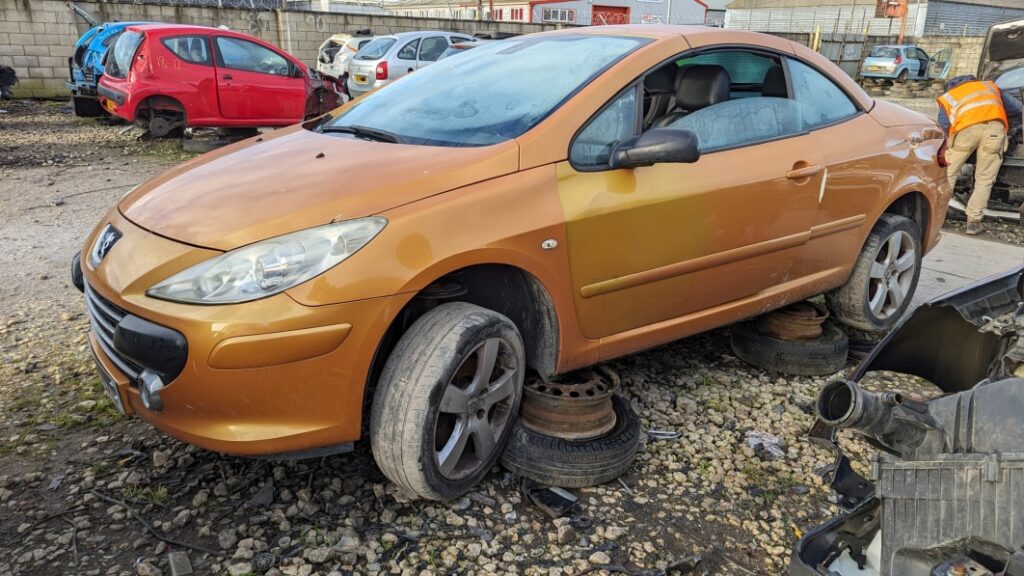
x=503 y=288
x=158 y=102
x=914 y=206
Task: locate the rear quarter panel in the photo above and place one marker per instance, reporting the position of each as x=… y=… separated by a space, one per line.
x=165 y=74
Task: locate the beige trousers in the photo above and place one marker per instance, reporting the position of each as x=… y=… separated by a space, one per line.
x=989 y=139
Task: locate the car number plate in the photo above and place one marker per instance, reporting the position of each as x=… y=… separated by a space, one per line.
x=361 y=79
x=109 y=386
x=110 y=105
x=874 y=68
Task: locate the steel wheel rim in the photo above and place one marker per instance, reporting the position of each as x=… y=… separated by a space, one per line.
x=476 y=408
x=892 y=275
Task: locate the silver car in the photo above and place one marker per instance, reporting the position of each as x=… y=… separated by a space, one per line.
x=388 y=58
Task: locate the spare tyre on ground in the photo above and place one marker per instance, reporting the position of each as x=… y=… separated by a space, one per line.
x=573 y=433
x=795 y=340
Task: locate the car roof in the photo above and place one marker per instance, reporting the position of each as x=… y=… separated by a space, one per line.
x=419 y=33
x=181 y=28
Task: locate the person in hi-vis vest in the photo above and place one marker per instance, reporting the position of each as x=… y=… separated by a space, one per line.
x=977 y=117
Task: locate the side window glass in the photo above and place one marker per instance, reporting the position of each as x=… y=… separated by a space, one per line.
x=457 y=39
x=821 y=101
x=593 y=145
x=742 y=122
x=244 y=55
x=408 y=52
x=432 y=48
x=192 y=49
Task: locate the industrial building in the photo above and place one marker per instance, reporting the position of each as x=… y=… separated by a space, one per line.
x=568 y=12
x=923 y=17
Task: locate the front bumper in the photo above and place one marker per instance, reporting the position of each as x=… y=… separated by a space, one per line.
x=266 y=377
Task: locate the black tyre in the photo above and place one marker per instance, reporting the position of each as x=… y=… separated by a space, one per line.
x=884 y=278
x=446 y=400
x=575 y=464
x=818 y=357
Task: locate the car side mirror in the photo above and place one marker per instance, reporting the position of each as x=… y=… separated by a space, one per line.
x=656 y=146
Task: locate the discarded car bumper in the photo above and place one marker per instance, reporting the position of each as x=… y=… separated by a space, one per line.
x=270 y=376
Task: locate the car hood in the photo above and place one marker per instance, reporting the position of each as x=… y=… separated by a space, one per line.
x=295 y=179
x=1003 y=50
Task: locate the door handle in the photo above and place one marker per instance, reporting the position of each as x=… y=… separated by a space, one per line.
x=228 y=77
x=805 y=172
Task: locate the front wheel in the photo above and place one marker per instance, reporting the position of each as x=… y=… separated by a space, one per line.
x=884 y=278
x=447 y=399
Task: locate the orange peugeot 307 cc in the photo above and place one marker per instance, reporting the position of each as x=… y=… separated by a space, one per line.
x=540 y=203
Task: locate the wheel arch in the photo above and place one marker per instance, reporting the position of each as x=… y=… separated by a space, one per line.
x=505 y=288
x=160 y=102
x=915 y=206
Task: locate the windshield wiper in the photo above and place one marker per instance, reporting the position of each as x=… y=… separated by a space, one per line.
x=364 y=132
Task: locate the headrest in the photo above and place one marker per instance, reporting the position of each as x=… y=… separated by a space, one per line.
x=661 y=81
x=702 y=85
x=774 y=83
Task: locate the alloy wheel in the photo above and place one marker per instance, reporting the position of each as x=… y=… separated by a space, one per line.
x=475 y=409
x=892 y=275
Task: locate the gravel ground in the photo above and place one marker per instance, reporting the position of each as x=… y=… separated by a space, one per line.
x=84 y=491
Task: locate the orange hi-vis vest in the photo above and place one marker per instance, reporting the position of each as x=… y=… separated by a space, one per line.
x=971 y=103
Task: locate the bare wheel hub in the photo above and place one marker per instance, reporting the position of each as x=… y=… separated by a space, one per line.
x=800 y=321
x=573 y=411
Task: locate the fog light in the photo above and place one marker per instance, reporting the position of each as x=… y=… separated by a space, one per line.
x=150 y=386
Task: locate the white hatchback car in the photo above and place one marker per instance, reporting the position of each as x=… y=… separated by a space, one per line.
x=388 y=58
x=337 y=51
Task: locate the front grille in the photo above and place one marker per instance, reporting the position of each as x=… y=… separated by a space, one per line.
x=104 y=317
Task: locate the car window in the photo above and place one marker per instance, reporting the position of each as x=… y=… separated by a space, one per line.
x=470 y=100
x=821 y=101
x=743 y=122
x=192 y=49
x=883 y=52
x=110 y=39
x=363 y=43
x=432 y=48
x=457 y=39
x=376 y=49
x=241 y=54
x=119 y=59
x=743 y=67
x=408 y=52
x=593 y=145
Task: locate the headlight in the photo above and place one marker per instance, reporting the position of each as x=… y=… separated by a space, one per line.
x=269 y=266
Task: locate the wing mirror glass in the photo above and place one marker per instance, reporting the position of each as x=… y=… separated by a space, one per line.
x=656 y=146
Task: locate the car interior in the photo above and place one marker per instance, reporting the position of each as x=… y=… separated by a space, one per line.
x=721 y=93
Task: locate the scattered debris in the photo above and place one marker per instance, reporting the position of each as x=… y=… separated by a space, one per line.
x=554 y=501
x=765 y=445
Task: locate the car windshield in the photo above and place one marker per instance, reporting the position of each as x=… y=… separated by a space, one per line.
x=376 y=49
x=489 y=94
x=119 y=60
x=884 y=52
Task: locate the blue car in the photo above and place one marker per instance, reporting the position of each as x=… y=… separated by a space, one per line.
x=905 y=62
x=86 y=65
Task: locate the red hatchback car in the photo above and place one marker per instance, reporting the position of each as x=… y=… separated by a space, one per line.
x=169 y=76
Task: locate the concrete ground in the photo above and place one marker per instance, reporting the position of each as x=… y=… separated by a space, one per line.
x=959 y=260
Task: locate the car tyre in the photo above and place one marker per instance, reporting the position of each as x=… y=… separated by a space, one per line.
x=884 y=278
x=575 y=463
x=818 y=357
x=440 y=417
x=903 y=75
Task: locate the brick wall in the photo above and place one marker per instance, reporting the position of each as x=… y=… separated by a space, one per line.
x=38 y=36
x=966 y=51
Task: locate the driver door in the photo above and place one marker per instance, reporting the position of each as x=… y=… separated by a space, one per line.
x=257 y=84
x=657 y=243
